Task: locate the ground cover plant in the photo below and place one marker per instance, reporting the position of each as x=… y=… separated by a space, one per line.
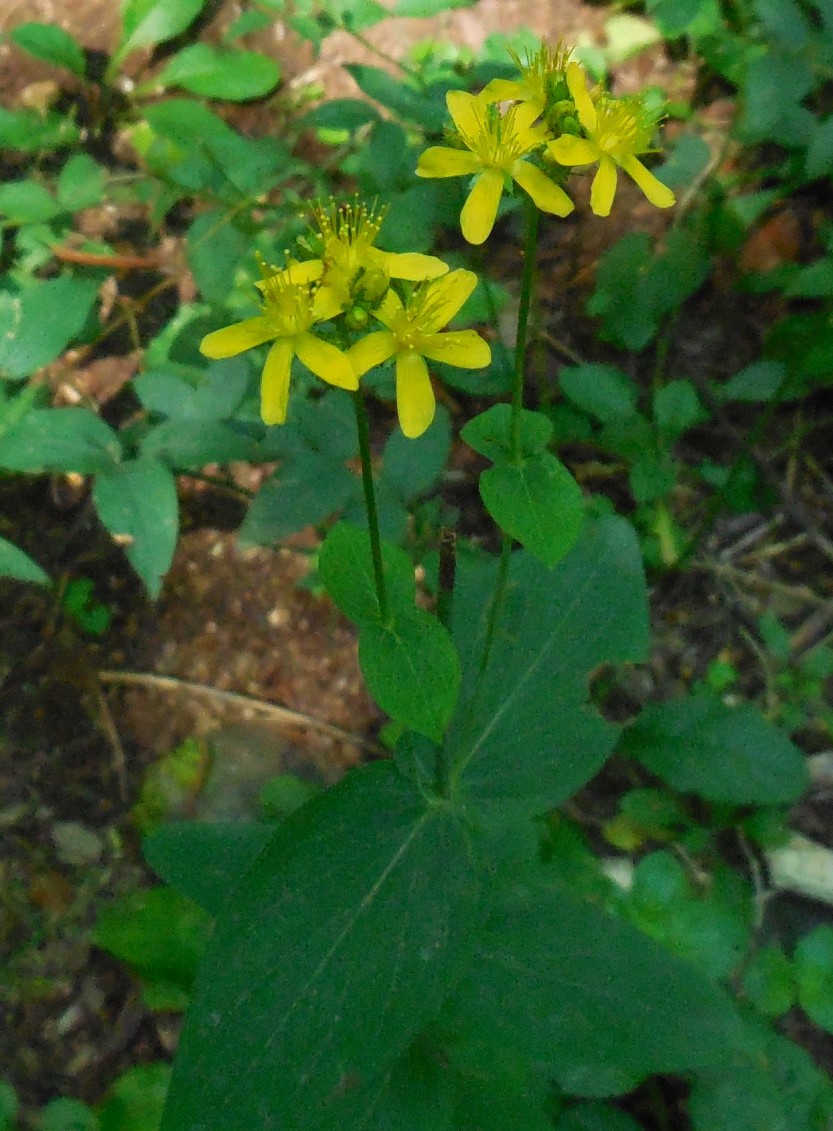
x=440 y=940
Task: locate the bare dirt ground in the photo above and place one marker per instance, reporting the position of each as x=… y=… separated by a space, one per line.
x=78 y=735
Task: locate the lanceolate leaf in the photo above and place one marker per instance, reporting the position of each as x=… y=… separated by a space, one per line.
x=15 y=563
x=334 y=950
x=523 y=738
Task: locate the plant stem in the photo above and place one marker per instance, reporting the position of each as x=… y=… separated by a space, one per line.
x=527 y=278
x=370 y=504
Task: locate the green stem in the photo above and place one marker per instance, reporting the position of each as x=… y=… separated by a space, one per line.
x=370 y=503
x=527 y=278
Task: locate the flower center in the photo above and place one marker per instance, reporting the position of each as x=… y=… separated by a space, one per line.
x=622 y=127
x=288 y=306
x=500 y=140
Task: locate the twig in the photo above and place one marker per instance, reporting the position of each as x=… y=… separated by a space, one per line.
x=280 y=715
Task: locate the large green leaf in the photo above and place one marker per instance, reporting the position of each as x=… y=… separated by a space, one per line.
x=60 y=439
x=304 y=490
x=583 y=997
x=345 y=567
x=137 y=503
x=731 y=754
x=335 y=949
x=38 y=323
x=51 y=44
x=522 y=738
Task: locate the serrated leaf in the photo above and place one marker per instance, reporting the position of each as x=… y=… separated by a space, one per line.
x=137 y=503
x=52 y=44
x=37 y=324
x=345 y=567
x=235 y=76
x=412 y=670
x=525 y=739
x=617 y=1003
x=313 y=1008
x=60 y=439
x=537 y=502
x=729 y=754
x=15 y=563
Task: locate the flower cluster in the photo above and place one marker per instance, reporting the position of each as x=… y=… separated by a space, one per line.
x=522 y=131
x=321 y=306
x=314 y=306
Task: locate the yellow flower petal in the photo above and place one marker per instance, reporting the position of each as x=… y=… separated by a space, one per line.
x=523 y=117
x=415 y=403
x=411 y=265
x=478 y=216
x=326 y=361
x=467 y=112
x=502 y=90
x=370 y=351
x=306 y=272
x=389 y=308
x=657 y=193
x=327 y=303
x=442 y=161
x=463 y=348
x=603 y=188
x=235 y=339
x=274 y=383
x=567 y=150
x=585 y=109
x=447 y=297
x=546 y=194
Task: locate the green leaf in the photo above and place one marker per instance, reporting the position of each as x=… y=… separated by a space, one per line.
x=412 y=670
x=410 y=105
x=775 y=84
x=602 y=391
x=9 y=1106
x=769 y=981
x=148 y=22
x=345 y=567
x=526 y=741
x=819 y=159
x=759 y=381
x=685 y=17
x=136 y=1099
x=410 y=468
x=37 y=324
x=333 y=952
x=813 y=281
x=51 y=44
x=813 y=960
x=235 y=76
x=67 y=1115
x=618 y=1007
x=26 y=202
x=340 y=114
x=490 y=433
x=60 y=439
x=14 y=563
x=769 y=1083
x=731 y=754
x=537 y=502
x=81 y=183
x=217 y=394
x=215 y=246
x=676 y=409
x=421 y=9
x=205 y=861
x=190 y=444
x=304 y=491
x=158 y=932
x=596 y=1117
x=137 y=503
x=29 y=131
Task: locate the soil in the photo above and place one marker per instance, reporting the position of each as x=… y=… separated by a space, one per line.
x=234 y=643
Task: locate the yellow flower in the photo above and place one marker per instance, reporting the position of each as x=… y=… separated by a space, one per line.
x=290 y=309
x=412 y=334
x=617 y=130
x=351 y=269
x=497 y=146
x=538 y=81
